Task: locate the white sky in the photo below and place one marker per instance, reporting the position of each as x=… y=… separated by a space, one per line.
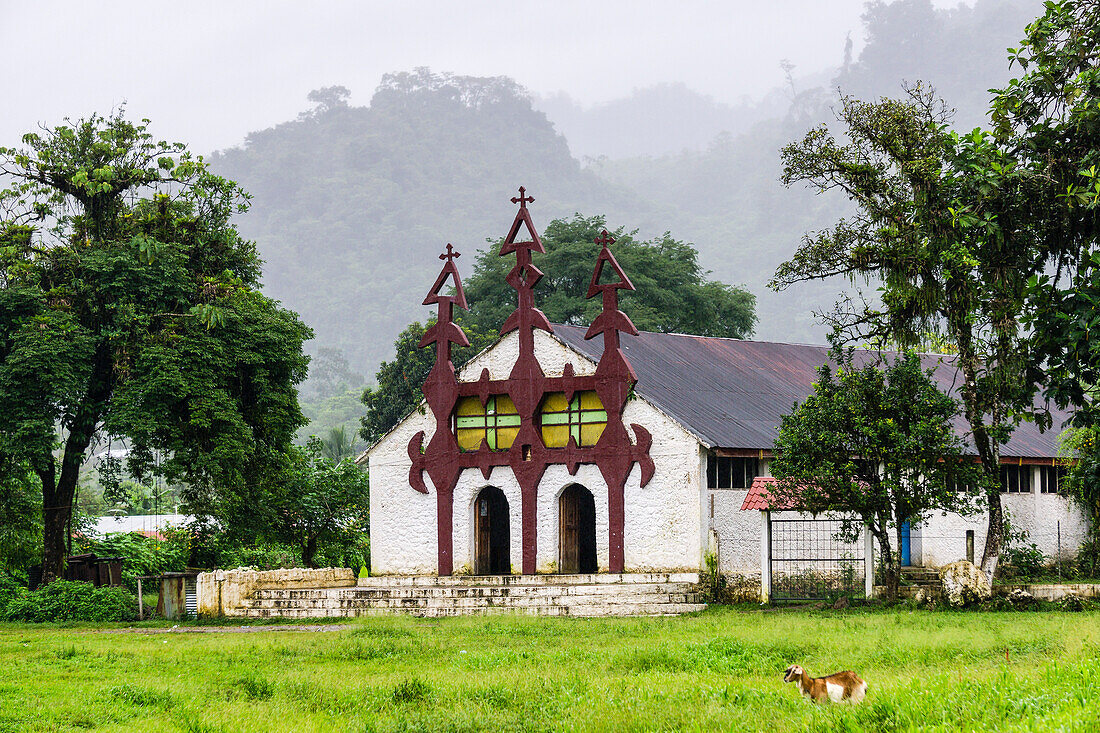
x=208 y=72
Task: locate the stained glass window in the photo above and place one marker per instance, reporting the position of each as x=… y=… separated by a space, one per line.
x=497 y=423
x=584 y=418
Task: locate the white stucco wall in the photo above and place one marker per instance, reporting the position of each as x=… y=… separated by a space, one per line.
x=942 y=538
x=663 y=523
x=938 y=541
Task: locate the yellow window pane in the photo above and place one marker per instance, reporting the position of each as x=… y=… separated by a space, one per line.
x=505 y=437
x=555 y=436
x=470 y=439
x=504 y=405
x=590 y=434
x=469 y=406
x=590 y=401
x=555 y=402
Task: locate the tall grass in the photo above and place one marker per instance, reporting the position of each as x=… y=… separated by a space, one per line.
x=720 y=670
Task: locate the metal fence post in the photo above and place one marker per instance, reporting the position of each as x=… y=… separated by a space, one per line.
x=765 y=556
x=868 y=563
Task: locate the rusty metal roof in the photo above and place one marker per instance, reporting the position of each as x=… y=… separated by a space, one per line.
x=732 y=393
x=760 y=497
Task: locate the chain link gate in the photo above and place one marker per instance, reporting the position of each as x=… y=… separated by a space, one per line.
x=809 y=562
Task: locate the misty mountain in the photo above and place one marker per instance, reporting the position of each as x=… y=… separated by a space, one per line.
x=352 y=204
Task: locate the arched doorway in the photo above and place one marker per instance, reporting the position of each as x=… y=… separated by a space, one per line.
x=576 y=530
x=492 y=539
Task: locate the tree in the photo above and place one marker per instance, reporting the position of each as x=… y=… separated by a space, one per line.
x=673 y=295
x=322 y=503
x=130 y=306
x=338 y=444
x=943 y=227
x=20 y=519
x=877 y=444
x=1047 y=119
x=400 y=379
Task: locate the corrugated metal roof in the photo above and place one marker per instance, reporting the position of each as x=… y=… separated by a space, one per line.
x=732 y=393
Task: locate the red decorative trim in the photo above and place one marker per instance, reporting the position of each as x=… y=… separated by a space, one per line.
x=614 y=454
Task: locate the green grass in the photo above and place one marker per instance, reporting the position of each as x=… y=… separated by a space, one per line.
x=719 y=670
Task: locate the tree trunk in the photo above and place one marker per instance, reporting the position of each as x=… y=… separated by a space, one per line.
x=994 y=535
x=889 y=561
x=57 y=497
x=309 y=549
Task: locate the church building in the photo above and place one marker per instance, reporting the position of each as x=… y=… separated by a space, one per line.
x=563 y=449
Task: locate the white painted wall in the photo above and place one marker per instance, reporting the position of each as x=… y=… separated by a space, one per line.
x=942 y=539
x=938 y=541
x=663 y=525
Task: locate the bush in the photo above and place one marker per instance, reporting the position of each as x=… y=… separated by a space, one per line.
x=71 y=600
x=143 y=555
x=261 y=557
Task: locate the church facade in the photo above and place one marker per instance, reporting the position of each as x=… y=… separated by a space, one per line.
x=562 y=449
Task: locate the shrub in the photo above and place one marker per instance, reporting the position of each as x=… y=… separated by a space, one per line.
x=71 y=600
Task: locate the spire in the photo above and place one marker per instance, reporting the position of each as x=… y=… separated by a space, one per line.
x=611 y=320
x=524 y=275
x=445 y=331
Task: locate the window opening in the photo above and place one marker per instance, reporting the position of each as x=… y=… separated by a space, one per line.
x=1051 y=478
x=583 y=418
x=731 y=473
x=1016 y=479
x=496 y=422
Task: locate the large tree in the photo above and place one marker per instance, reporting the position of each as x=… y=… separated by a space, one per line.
x=673 y=295
x=130 y=306
x=943 y=231
x=876 y=444
x=1048 y=119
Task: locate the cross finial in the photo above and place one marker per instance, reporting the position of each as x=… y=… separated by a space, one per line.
x=605 y=239
x=450 y=254
x=523 y=200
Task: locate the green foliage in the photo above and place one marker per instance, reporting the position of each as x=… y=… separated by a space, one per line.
x=876 y=444
x=261 y=557
x=20 y=520
x=673 y=293
x=400 y=379
x=323 y=506
x=943 y=230
x=70 y=600
x=143 y=555
x=1048 y=117
x=137 y=313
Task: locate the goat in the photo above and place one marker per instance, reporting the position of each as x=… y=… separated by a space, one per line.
x=838 y=687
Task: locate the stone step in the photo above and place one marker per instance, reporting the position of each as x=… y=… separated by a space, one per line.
x=624 y=590
x=474 y=602
x=525 y=580
x=587 y=610
x=630 y=594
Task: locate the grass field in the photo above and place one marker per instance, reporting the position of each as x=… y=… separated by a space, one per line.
x=720 y=670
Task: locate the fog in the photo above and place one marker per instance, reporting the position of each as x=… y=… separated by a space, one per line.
x=209 y=72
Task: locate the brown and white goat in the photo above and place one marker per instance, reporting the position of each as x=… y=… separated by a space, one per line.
x=839 y=687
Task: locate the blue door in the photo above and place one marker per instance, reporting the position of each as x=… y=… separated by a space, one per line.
x=905 y=560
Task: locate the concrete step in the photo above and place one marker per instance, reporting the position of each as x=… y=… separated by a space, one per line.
x=514 y=580
x=587 y=611
x=475 y=602
x=630 y=594
x=453 y=591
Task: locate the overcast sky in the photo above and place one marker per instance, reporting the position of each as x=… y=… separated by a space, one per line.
x=207 y=72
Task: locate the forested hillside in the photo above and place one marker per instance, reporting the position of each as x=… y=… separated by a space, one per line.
x=351 y=204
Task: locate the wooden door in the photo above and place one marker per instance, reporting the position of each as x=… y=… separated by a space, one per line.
x=483 y=533
x=569 y=526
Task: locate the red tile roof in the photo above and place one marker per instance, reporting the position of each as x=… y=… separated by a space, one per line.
x=760 y=498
